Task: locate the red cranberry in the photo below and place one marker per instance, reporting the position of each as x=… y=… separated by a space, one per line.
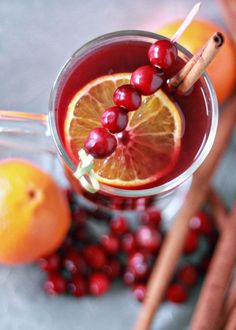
x=127 y=96
x=177 y=293
x=50 y=264
x=95 y=256
x=191 y=243
x=188 y=275
x=55 y=284
x=129 y=277
x=115 y=119
x=202 y=223
x=113 y=268
x=78 y=286
x=74 y=262
x=98 y=284
x=148 y=239
x=128 y=243
x=110 y=243
x=163 y=54
x=119 y=226
x=140 y=264
x=100 y=143
x=139 y=291
x=147 y=79
x=151 y=218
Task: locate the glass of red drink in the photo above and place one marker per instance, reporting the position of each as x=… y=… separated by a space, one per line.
x=123 y=52
x=116 y=53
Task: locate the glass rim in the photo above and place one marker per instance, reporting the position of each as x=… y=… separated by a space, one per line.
x=142 y=192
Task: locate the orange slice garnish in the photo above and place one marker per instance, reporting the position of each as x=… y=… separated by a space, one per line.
x=147 y=150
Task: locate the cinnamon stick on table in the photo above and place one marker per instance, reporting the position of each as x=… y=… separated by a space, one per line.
x=173 y=245
x=230 y=303
x=209 y=306
x=230 y=325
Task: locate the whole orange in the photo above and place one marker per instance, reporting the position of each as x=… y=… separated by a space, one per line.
x=222 y=70
x=34 y=213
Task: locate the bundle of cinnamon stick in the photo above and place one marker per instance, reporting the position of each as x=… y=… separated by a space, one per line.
x=216 y=306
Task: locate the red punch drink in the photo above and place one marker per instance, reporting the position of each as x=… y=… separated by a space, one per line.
x=165 y=140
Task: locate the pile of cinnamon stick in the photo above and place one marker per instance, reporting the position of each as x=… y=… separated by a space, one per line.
x=216 y=306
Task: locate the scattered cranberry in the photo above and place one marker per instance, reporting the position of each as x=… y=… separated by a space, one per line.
x=127 y=96
x=113 y=268
x=78 y=286
x=177 y=293
x=121 y=253
x=110 y=243
x=128 y=243
x=191 y=243
x=100 y=143
x=74 y=262
x=139 y=291
x=163 y=54
x=119 y=226
x=148 y=239
x=95 y=256
x=115 y=119
x=140 y=264
x=50 y=264
x=55 y=284
x=98 y=284
x=129 y=277
x=188 y=275
x=151 y=218
x=147 y=79
x=202 y=223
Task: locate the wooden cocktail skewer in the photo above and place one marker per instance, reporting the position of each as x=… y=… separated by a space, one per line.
x=186 y=22
x=173 y=245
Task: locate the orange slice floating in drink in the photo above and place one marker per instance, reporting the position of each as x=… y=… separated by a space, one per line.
x=148 y=148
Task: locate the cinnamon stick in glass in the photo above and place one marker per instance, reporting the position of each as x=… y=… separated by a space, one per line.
x=197 y=65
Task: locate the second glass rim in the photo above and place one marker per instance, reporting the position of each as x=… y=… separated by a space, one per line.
x=158 y=190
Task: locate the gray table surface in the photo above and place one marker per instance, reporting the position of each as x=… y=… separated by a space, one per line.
x=36 y=38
